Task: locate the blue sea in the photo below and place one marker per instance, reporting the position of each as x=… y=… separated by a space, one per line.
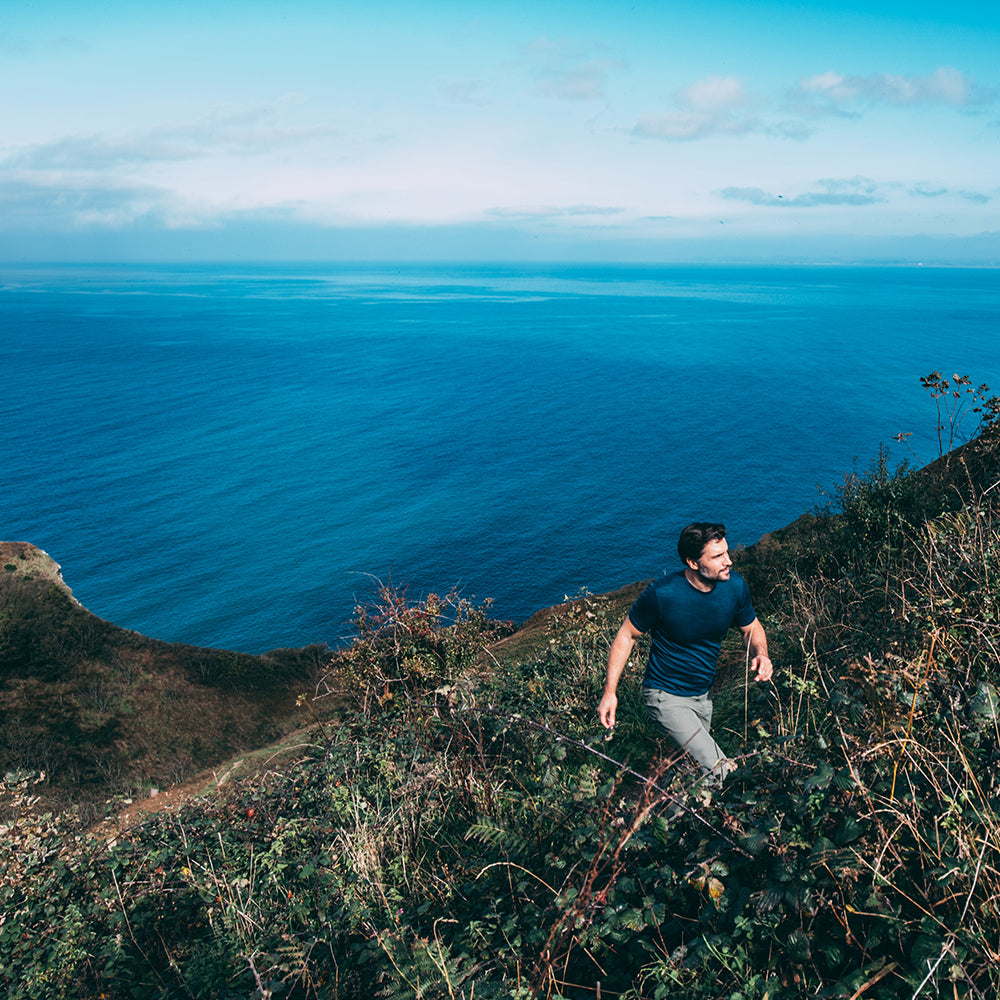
x=233 y=455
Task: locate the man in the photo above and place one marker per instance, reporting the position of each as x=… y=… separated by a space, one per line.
x=687 y=613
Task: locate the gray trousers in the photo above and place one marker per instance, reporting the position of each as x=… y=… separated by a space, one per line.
x=687 y=720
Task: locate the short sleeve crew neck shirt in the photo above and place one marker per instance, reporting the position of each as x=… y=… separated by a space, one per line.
x=686 y=626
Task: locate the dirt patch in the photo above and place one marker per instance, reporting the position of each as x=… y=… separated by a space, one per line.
x=174 y=798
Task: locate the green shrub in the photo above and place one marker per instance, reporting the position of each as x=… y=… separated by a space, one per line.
x=411 y=651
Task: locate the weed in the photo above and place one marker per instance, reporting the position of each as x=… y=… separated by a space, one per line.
x=955 y=399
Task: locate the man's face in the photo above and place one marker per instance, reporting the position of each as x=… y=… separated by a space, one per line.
x=713 y=564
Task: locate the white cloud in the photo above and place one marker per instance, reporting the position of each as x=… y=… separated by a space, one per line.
x=464 y=92
x=247 y=131
x=714 y=106
x=834 y=92
x=101 y=203
x=552 y=212
x=680 y=125
x=570 y=72
x=852 y=191
x=845 y=191
x=714 y=94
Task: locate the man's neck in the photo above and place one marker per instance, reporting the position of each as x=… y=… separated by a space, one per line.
x=698 y=581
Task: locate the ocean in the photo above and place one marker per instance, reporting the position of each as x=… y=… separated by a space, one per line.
x=234 y=455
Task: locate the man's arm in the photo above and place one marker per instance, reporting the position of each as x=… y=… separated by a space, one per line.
x=756 y=644
x=621 y=650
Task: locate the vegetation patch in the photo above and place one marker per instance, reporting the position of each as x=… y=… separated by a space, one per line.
x=460 y=827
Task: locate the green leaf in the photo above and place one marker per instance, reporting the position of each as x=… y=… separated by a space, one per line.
x=755 y=841
x=797 y=946
x=985 y=703
x=848 y=831
x=926 y=951
x=821 y=850
x=820 y=778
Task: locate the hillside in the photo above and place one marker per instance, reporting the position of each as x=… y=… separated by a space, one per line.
x=106 y=712
x=459 y=826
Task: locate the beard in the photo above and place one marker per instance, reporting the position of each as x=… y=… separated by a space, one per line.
x=713 y=577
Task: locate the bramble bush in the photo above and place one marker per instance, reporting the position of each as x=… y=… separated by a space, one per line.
x=410 y=650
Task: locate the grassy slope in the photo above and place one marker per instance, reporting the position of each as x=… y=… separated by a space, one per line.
x=105 y=711
x=480 y=839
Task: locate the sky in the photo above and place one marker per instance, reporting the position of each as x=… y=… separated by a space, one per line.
x=591 y=131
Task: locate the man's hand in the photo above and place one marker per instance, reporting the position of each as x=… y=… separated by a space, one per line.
x=606 y=709
x=756 y=643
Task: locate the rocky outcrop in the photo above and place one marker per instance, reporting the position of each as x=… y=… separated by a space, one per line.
x=30 y=563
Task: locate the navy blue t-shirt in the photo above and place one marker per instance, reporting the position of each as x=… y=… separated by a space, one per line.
x=686 y=627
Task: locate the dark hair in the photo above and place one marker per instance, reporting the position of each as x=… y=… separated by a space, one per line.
x=696 y=536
